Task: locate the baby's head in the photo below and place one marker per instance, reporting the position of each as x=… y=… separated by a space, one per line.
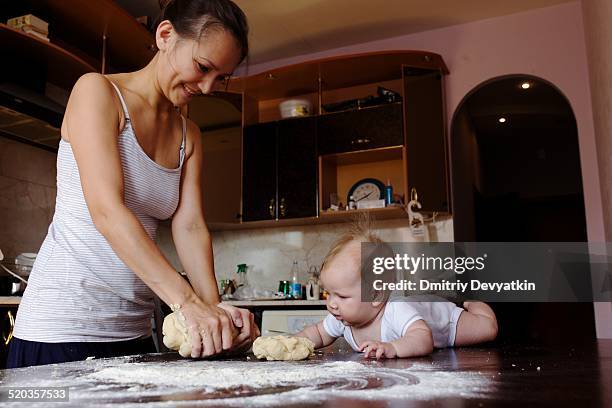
x=341 y=278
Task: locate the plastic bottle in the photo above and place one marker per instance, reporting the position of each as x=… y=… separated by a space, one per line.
x=388 y=193
x=296 y=286
x=351 y=204
x=242 y=279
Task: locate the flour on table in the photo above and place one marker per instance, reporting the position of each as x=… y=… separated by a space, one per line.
x=128 y=382
x=283 y=348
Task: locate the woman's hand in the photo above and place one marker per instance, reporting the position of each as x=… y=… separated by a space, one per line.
x=381 y=349
x=210 y=328
x=245 y=323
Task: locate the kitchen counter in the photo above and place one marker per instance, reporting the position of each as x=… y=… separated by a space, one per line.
x=509 y=375
x=14 y=301
x=10 y=300
x=258 y=303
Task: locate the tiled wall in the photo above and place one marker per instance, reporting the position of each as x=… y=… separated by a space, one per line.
x=27 y=196
x=270 y=253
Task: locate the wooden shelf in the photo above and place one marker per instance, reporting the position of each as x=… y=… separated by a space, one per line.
x=339 y=171
x=365 y=108
x=63 y=68
x=366 y=156
x=83 y=24
x=386 y=213
x=10 y=301
x=335 y=73
x=326 y=217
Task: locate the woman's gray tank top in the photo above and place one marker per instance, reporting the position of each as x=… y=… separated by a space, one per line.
x=79 y=290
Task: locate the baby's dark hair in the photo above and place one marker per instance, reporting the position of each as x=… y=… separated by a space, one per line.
x=194 y=18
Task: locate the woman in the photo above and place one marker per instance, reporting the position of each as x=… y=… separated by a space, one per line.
x=127 y=159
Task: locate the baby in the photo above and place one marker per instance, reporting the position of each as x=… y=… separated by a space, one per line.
x=390 y=329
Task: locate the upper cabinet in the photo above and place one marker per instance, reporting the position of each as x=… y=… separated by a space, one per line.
x=38 y=73
x=426 y=145
x=279 y=170
x=361 y=129
x=372 y=116
x=219 y=118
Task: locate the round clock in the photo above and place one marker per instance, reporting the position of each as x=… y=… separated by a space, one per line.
x=367 y=189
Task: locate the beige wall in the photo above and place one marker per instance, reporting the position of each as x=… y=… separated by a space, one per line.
x=597 y=15
x=27 y=196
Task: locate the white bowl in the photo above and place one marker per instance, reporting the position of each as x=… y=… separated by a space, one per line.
x=292 y=108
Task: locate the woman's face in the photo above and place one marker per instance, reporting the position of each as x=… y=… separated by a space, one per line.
x=190 y=67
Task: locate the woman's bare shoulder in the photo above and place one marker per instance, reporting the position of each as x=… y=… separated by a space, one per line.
x=92 y=97
x=93 y=84
x=194 y=137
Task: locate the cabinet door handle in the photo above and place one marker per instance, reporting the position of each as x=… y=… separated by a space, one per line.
x=360 y=141
x=7 y=338
x=282 y=207
x=271 y=208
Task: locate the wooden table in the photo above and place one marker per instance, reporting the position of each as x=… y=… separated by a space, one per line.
x=506 y=375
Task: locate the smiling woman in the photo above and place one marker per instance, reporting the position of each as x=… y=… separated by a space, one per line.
x=127 y=160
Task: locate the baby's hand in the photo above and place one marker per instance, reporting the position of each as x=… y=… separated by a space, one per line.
x=382 y=349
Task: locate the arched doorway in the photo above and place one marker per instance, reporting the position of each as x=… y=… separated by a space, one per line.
x=516 y=177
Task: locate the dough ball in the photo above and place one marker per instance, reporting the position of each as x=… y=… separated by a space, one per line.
x=175 y=334
x=283 y=348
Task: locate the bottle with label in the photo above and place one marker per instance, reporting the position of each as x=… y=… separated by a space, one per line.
x=296 y=286
x=388 y=193
x=242 y=279
x=351 y=204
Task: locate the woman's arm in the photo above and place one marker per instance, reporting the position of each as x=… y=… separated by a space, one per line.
x=189 y=231
x=92 y=122
x=193 y=242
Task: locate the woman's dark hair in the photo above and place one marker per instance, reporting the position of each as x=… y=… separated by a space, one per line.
x=193 y=18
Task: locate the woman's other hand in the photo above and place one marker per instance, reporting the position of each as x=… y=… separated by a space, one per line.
x=245 y=323
x=210 y=329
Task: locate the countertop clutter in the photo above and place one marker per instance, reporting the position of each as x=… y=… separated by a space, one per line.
x=336 y=376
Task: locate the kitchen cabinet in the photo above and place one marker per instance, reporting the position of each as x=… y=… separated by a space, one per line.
x=361 y=129
x=400 y=140
x=85 y=36
x=279 y=170
x=259 y=172
x=426 y=147
x=219 y=119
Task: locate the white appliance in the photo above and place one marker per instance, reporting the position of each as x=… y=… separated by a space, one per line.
x=275 y=322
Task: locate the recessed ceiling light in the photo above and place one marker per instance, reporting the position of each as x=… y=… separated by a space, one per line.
x=525 y=85
x=501 y=120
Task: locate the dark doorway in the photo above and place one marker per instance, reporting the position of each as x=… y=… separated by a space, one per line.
x=516 y=178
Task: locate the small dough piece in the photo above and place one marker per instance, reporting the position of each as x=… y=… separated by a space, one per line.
x=283 y=348
x=175 y=333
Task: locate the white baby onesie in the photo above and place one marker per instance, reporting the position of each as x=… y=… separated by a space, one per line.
x=400 y=314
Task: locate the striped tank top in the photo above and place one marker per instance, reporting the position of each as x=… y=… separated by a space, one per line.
x=79 y=290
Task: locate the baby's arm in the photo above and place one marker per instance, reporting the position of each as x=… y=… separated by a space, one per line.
x=317 y=334
x=477 y=324
x=417 y=341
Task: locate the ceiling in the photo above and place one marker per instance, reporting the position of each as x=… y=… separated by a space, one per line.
x=281 y=28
